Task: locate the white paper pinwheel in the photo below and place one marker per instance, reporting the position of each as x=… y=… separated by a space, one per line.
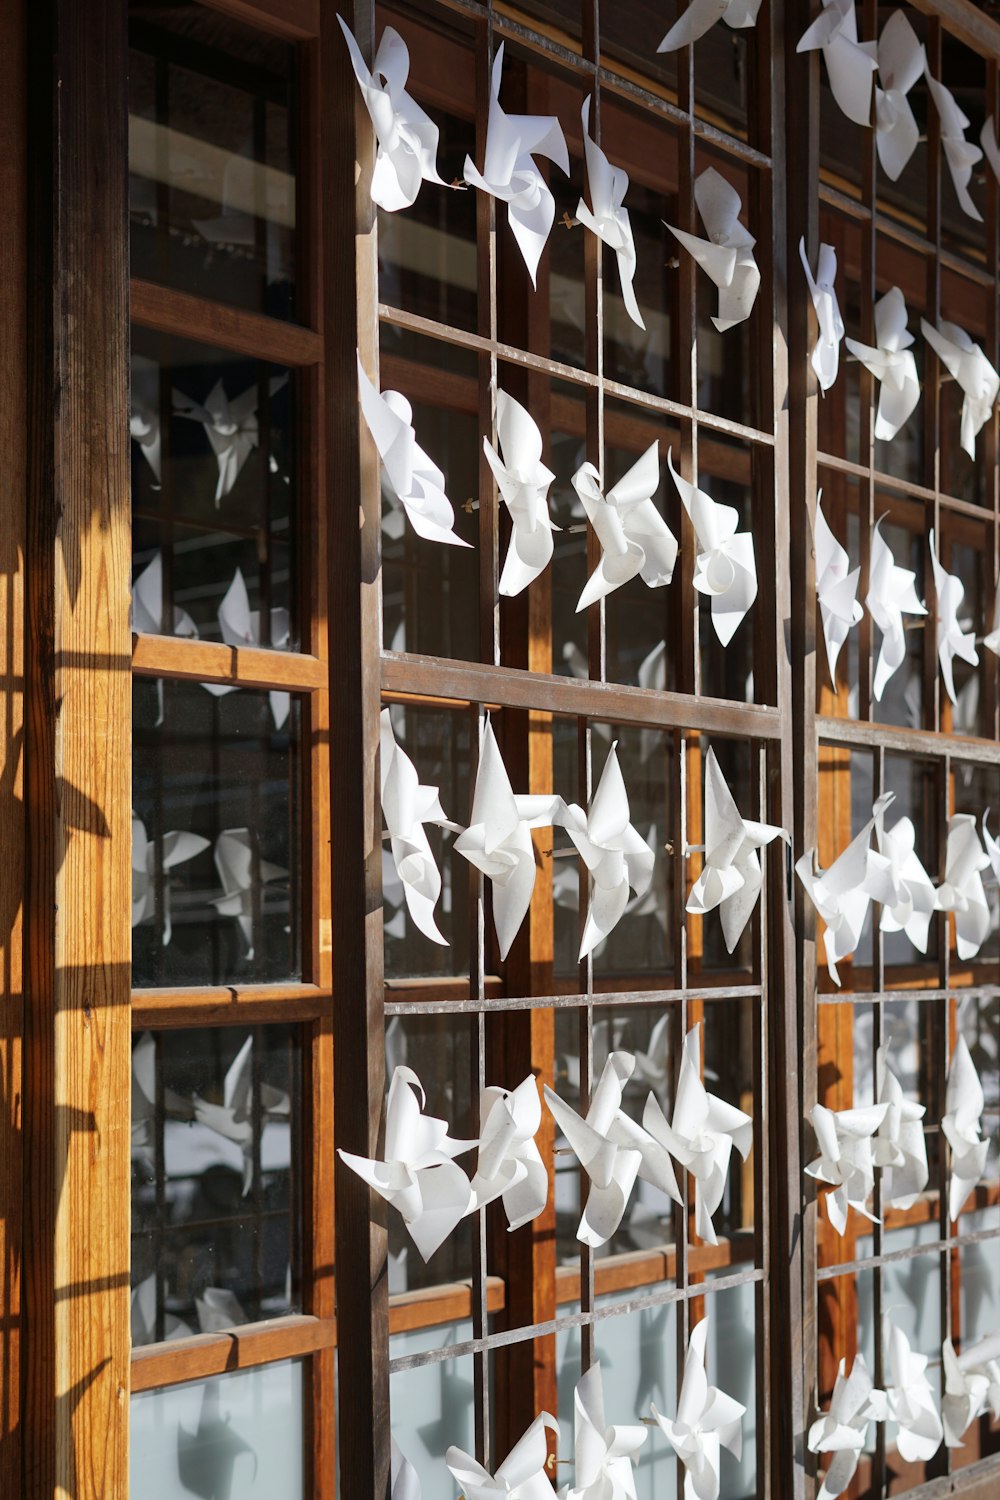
x=241 y=876
x=966 y=1392
x=962 y=890
x=407 y=137
x=983 y=1358
x=910 y=1399
x=522 y=1474
x=836 y=589
x=608 y=217
x=498 y=839
x=961 y=1125
x=144 y=1097
x=992 y=845
x=616 y=855
x=701 y=1135
x=891 y=595
x=612 y=1149
x=725 y=568
x=178 y=846
x=952 y=640
x=891 y=362
x=635 y=539
x=406 y=807
x=850 y=64
x=144 y=430
x=603 y=1454
x=707 y=1421
x=418 y=1175
x=825 y=358
x=404 y=1480
x=843 y=1430
x=910 y=897
x=509 y=1165
x=901 y=61
x=414 y=479
x=846 y=1158
x=841 y=894
x=988 y=138
x=523 y=482
x=731 y=878
x=219 y=1309
x=142 y=1311
x=240 y=626
x=233 y=1119
x=511 y=174
x=966 y=363
x=701 y=15
x=900 y=1148
x=726 y=256
x=147 y=605
x=230 y=426
x=960 y=154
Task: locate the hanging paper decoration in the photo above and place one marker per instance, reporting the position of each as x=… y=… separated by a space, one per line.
x=992 y=848
x=843 y=1430
x=846 y=1160
x=147 y=615
x=962 y=1125
x=608 y=218
x=635 y=539
x=523 y=482
x=144 y=430
x=407 y=806
x=967 y=364
x=707 y=1421
x=404 y=1481
x=901 y=61
x=616 y=855
x=725 y=568
x=850 y=64
x=511 y=175
x=178 y=847
x=900 y=1148
x=604 y=1455
x=988 y=137
x=230 y=426
x=142 y=1316
x=891 y=595
x=841 y=894
x=509 y=1165
x=233 y=1119
x=910 y=897
x=909 y=1396
x=726 y=256
x=240 y=626
x=892 y=363
x=966 y=1392
x=145 y=1115
x=521 y=1476
x=836 y=589
x=235 y=865
x=960 y=154
x=701 y=15
x=962 y=889
x=825 y=358
x=219 y=1309
x=952 y=640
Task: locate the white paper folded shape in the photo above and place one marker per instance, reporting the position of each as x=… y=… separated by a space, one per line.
x=604 y=1455
x=523 y=482
x=961 y=1126
x=846 y=1160
x=825 y=358
x=406 y=807
x=707 y=1421
x=900 y=1148
x=233 y=1119
x=841 y=894
x=988 y=139
x=148 y=605
x=836 y=589
x=725 y=568
x=962 y=890
x=418 y=1175
x=240 y=626
x=635 y=539
x=509 y=1165
x=731 y=878
x=413 y=477
x=219 y=1309
x=701 y=15
x=992 y=846
x=901 y=61
x=891 y=595
x=850 y=64
x=966 y=1392
x=407 y=137
x=910 y=1399
x=983 y=1358
x=144 y=1097
x=960 y=154
x=235 y=864
x=891 y=362
x=843 y=1430
x=230 y=426
x=521 y=1476
x=726 y=256
x=144 y=430
x=142 y=1310
x=608 y=218
x=403 y=1478
x=511 y=174
x=701 y=1135
x=966 y=363
x=911 y=899
x=616 y=855
x=178 y=846
x=952 y=640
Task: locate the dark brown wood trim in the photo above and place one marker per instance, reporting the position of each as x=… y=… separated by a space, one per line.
x=186 y=316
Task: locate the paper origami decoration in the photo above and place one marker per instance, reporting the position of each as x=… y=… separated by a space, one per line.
x=992 y=847
x=701 y=1136
x=983 y=1358
x=960 y=154
x=522 y=1474
x=841 y=894
x=850 y=64
x=911 y=1401
x=961 y=1125
x=509 y=1165
x=178 y=846
x=731 y=878
x=843 y=1430
x=967 y=364
x=233 y=1118
x=414 y=479
x=966 y=1392
x=891 y=362
x=988 y=138
x=725 y=568
x=726 y=256
x=498 y=840
x=144 y=1111
x=911 y=899
x=707 y=1421
x=407 y=806
x=701 y=15
x=635 y=539
x=825 y=358
x=616 y=855
x=846 y=1158
x=901 y=61
x=148 y=608
x=144 y=430
x=608 y=218
x=230 y=426
x=962 y=889
x=142 y=1309
x=240 y=626
x=235 y=864
x=836 y=589
x=510 y=173
x=218 y=1309
x=900 y=1148
x=952 y=640
x=407 y=137
x=891 y=595
x=403 y=1478
x=418 y=1176
x=523 y=482
x=603 y=1454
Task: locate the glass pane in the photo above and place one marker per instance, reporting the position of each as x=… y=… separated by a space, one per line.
x=237 y=1436
x=637 y=1353
x=215 y=832
x=432 y=1407
x=212 y=174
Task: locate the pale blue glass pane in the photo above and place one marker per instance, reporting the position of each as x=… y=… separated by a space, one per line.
x=979 y=1281
x=910 y=1288
x=431 y=1407
x=237 y=1437
x=731 y=1362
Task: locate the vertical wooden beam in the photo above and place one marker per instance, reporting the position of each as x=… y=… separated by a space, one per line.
x=78 y=762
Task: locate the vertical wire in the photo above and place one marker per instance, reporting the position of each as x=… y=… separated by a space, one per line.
x=878 y=985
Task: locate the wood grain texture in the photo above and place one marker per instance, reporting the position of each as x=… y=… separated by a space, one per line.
x=170 y=311
x=212 y=661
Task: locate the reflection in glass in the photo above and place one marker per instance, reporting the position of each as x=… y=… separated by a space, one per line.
x=727 y=671
x=902 y=700
x=212 y=1193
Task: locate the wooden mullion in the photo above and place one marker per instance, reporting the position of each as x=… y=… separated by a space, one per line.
x=183 y=315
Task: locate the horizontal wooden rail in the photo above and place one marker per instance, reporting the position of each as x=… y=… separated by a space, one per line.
x=922 y=742
x=212 y=661
x=243 y=1348
x=905 y=488
x=179 y=313
x=228 y=1005
x=295 y=20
